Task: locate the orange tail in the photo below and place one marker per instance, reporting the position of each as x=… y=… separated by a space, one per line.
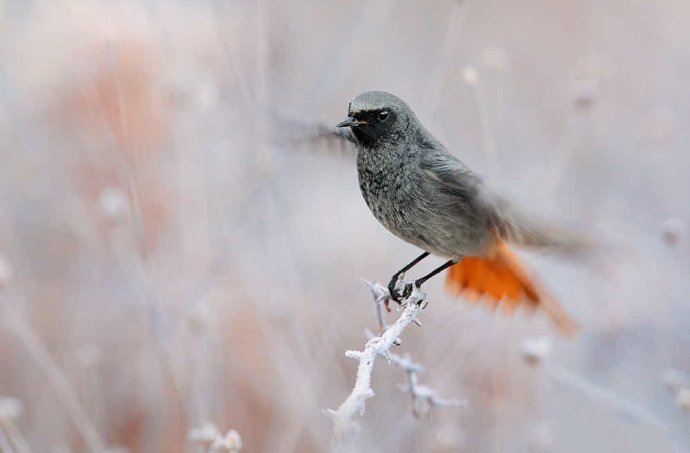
x=501 y=278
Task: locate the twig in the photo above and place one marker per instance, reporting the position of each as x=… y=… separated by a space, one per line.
x=354 y=404
x=423 y=397
x=381 y=298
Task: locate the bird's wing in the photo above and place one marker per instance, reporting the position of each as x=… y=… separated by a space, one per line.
x=511 y=224
x=341 y=133
x=316 y=130
x=292 y=130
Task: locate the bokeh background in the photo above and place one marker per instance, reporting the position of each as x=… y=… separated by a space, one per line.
x=169 y=258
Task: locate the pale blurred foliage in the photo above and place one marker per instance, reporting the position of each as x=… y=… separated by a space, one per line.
x=167 y=264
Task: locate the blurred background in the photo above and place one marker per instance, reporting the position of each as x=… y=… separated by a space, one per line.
x=168 y=260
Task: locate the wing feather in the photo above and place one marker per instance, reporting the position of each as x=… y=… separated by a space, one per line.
x=511 y=224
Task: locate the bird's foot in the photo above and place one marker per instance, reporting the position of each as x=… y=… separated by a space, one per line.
x=409 y=287
x=407 y=291
x=400 y=290
x=397 y=296
x=393 y=285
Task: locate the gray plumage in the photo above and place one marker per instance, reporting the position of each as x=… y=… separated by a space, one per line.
x=425 y=195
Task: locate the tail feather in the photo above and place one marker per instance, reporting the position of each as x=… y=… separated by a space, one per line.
x=501 y=278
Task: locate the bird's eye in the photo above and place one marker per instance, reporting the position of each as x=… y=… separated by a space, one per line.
x=383 y=115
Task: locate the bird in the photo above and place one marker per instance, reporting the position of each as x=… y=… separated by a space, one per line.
x=427 y=197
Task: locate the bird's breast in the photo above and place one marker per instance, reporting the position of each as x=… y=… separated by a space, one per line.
x=392 y=194
x=410 y=206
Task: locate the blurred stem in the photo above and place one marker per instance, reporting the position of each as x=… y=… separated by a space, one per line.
x=436 y=83
x=14 y=435
x=55 y=376
x=5 y=443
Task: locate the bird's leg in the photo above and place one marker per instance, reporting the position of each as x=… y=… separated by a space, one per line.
x=391 y=286
x=418 y=283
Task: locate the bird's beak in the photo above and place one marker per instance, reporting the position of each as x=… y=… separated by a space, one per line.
x=350 y=122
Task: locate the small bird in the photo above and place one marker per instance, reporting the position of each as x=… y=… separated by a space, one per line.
x=427 y=197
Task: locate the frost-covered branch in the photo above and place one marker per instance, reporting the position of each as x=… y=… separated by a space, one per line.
x=354 y=404
x=423 y=397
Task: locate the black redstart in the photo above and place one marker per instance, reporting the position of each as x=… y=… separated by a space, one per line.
x=427 y=197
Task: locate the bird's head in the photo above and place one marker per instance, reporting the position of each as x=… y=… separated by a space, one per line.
x=377 y=117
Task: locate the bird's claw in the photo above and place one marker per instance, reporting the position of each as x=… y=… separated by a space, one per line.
x=394 y=293
x=396 y=296
x=407 y=291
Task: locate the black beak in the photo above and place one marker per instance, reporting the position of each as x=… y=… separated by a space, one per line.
x=350 y=122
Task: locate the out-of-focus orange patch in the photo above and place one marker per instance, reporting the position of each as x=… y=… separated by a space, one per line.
x=121 y=95
x=118 y=102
